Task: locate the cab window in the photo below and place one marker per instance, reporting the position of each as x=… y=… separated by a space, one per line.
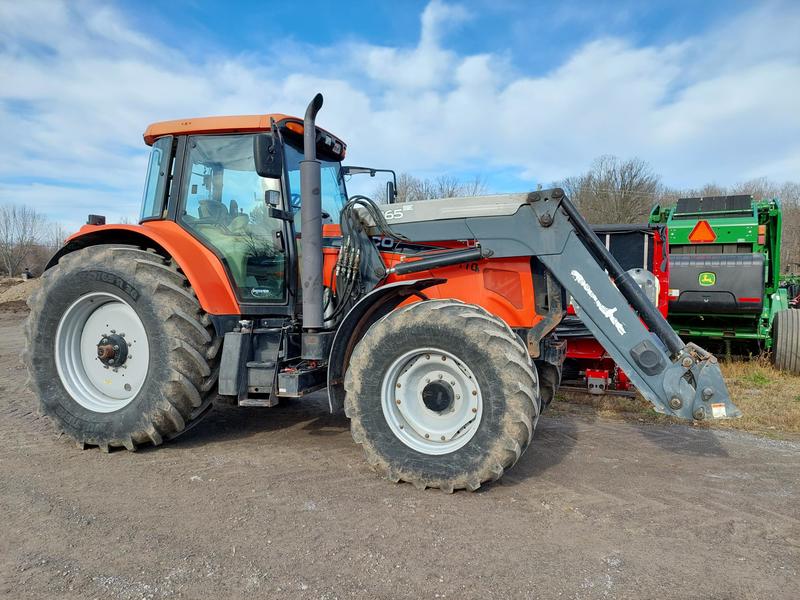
x=223 y=204
x=334 y=195
x=155 y=184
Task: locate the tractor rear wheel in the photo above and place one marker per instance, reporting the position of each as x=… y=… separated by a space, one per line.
x=441 y=394
x=119 y=351
x=786 y=340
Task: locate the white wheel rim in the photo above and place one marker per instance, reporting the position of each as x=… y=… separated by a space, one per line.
x=431 y=401
x=96 y=386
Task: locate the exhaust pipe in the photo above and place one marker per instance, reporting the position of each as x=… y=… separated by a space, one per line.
x=311 y=224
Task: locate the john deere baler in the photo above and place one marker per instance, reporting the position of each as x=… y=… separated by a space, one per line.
x=724 y=282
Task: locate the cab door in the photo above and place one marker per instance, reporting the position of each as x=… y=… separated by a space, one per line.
x=222 y=203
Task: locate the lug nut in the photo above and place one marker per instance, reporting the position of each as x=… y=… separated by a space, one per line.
x=443 y=438
x=116 y=347
x=707 y=393
x=398 y=385
x=474 y=392
x=427 y=436
x=441 y=376
x=398 y=400
x=453 y=382
x=675 y=403
x=444 y=358
x=475 y=409
x=687 y=362
x=699 y=413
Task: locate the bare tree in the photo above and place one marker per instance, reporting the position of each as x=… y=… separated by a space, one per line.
x=615 y=190
x=21 y=230
x=55 y=236
x=414 y=189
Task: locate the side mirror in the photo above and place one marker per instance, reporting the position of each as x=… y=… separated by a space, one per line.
x=391 y=192
x=268 y=155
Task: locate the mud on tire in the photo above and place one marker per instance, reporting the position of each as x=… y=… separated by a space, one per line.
x=182 y=371
x=502 y=369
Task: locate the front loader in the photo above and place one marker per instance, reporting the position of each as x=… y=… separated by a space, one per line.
x=253 y=276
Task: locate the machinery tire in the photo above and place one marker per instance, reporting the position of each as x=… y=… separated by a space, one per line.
x=180 y=370
x=549 y=382
x=480 y=345
x=786 y=341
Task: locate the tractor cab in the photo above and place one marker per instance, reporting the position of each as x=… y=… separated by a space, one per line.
x=203 y=175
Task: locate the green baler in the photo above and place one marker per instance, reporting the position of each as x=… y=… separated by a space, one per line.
x=725 y=274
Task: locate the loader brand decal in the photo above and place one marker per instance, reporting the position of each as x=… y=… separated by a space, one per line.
x=608 y=313
x=259 y=292
x=707 y=278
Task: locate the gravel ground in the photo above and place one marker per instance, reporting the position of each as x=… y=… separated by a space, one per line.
x=278 y=503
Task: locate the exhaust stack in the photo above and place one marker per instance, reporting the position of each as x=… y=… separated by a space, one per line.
x=311 y=232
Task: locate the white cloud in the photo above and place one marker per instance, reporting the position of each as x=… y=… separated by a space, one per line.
x=80 y=85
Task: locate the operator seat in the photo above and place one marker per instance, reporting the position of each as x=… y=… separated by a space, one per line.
x=213 y=211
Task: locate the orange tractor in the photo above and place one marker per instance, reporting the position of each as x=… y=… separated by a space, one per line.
x=253 y=276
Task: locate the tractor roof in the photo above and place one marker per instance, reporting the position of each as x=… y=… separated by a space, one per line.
x=233 y=124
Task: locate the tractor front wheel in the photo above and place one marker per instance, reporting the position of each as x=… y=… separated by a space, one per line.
x=441 y=394
x=119 y=351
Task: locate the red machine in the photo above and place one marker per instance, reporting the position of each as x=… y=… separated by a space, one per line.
x=642 y=250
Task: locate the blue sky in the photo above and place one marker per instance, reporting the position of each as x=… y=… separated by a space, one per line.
x=519 y=93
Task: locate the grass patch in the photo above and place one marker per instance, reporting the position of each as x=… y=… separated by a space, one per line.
x=758 y=378
x=769 y=400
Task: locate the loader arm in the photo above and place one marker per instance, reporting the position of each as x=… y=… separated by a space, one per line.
x=679 y=379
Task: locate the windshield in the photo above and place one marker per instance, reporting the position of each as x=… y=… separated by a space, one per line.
x=334 y=194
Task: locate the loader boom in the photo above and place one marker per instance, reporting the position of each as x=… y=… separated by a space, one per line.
x=679 y=379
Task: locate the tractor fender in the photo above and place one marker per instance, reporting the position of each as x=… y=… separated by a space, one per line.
x=203 y=269
x=369 y=309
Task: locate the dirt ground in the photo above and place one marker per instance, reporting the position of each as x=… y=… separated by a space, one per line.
x=278 y=503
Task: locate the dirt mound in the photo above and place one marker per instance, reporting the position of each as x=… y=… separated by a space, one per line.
x=14 y=306
x=18 y=292
x=7 y=282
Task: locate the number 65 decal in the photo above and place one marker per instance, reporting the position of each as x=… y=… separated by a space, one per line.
x=396 y=213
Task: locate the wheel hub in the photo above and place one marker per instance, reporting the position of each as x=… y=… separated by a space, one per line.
x=112 y=350
x=438 y=397
x=102 y=352
x=431 y=401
